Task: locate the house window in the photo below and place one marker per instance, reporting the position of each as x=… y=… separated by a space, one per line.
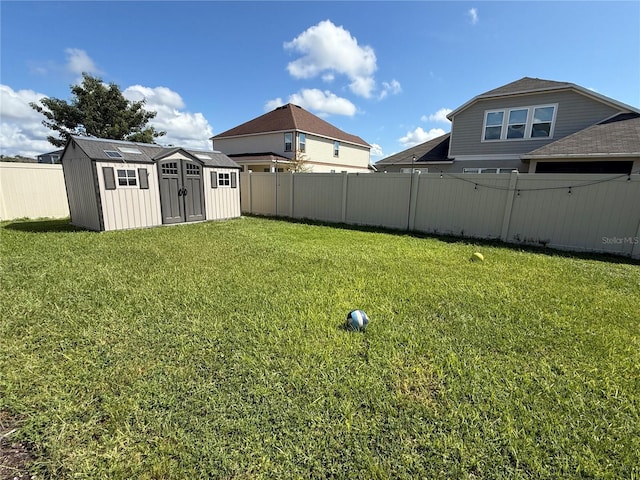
x=542 y=120
x=288 y=142
x=127 y=178
x=336 y=149
x=302 y=142
x=493 y=125
x=519 y=123
x=224 y=179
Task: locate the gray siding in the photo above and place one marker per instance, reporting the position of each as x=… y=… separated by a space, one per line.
x=575 y=112
x=81 y=190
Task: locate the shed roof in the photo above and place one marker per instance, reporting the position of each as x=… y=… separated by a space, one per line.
x=291 y=117
x=433 y=151
x=615 y=137
x=96 y=148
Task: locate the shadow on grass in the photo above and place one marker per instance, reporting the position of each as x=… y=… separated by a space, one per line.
x=471 y=241
x=43 y=226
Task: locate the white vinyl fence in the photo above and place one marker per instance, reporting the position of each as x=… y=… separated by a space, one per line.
x=32 y=190
x=583 y=213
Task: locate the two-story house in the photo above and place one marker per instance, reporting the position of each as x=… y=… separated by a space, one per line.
x=290 y=137
x=533 y=126
x=51 y=157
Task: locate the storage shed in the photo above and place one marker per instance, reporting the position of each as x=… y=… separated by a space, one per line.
x=114 y=185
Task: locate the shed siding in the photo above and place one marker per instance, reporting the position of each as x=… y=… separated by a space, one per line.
x=81 y=188
x=131 y=206
x=222 y=202
x=575 y=112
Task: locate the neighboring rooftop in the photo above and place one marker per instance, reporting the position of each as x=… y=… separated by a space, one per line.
x=291 y=117
x=433 y=151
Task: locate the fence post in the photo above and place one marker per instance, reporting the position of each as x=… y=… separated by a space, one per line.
x=292 y=177
x=250 y=193
x=344 y=197
x=413 y=200
x=511 y=193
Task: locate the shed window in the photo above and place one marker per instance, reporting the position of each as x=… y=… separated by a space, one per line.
x=193 y=170
x=170 y=168
x=127 y=178
x=224 y=179
x=113 y=154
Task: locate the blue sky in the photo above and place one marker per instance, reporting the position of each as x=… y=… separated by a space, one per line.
x=385 y=71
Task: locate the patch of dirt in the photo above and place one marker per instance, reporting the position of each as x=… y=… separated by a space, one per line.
x=14 y=456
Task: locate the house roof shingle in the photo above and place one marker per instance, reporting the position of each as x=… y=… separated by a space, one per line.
x=615 y=137
x=95 y=148
x=538 y=85
x=432 y=151
x=291 y=117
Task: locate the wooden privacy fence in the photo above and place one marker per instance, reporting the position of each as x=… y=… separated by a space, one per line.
x=584 y=213
x=32 y=190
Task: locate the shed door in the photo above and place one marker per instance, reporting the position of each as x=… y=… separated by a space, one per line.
x=181 y=196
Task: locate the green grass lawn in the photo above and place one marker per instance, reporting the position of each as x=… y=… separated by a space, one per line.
x=217 y=350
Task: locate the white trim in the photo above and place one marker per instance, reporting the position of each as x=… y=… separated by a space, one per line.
x=502 y=157
x=504 y=128
x=127 y=177
x=341 y=140
x=581 y=155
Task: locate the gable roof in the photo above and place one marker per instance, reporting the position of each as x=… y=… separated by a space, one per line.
x=432 y=151
x=291 y=117
x=96 y=148
x=615 y=137
x=528 y=85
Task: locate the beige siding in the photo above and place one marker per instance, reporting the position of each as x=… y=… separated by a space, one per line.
x=130 y=207
x=575 y=112
x=32 y=190
x=220 y=202
x=600 y=215
x=80 y=180
x=318 y=153
x=268 y=142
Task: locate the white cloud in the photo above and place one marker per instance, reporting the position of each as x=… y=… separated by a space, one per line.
x=185 y=129
x=328 y=49
x=473 y=15
x=78 y=61
x=21 y=129
x=376 y=150
x=439 y=116
x=419 y=136
x=273 y=104
x=322 y=102
x=22 y=132
x=392 y=88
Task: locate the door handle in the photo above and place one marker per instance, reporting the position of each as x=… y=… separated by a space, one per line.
x=179 y=192
x=184 y=191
